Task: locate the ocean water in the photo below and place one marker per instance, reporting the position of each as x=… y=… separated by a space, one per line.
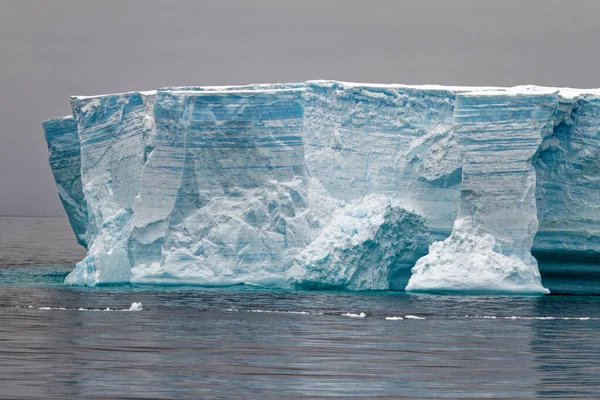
x=253 y=342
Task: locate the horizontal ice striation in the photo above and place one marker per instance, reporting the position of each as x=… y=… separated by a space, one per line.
x=568 y=191
x=389 y=139
x=64 y=157
x=322 y=183
x=225 y=193
x=489 y=250
x=112 y=130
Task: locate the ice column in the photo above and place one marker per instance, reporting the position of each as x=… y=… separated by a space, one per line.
x=489 y=251
x=111 y=132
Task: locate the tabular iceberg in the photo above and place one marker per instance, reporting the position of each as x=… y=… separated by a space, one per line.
x=327 y=184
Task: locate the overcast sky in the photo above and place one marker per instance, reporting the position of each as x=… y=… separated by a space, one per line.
x=52 y=49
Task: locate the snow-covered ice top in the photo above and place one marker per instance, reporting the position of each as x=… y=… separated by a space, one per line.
x=325 y=183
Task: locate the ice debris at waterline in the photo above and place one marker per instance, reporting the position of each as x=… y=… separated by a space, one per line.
x=134 y=307
x=326 y=184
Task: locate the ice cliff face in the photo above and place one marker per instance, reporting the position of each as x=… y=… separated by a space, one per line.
x=489 y=249
x=327 y=184
x=389 y=139
x=225 y=190
x=64 y=156
x=111 y=133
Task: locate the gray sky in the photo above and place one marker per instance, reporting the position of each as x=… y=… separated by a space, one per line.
x=52 y=49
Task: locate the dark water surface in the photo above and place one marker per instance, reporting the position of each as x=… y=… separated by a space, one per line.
x=252 y=342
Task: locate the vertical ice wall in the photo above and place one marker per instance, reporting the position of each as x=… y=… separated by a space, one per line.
x=112 y=130
x=64 y=157
x=172 y=115
x=490 y=246
x=224 y=196
x=568 y=176
x=386 y=139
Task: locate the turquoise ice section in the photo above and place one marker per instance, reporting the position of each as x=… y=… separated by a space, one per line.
x=64 y=157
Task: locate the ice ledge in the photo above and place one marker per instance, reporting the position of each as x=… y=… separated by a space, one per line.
x=565 y=92
x=99 y=96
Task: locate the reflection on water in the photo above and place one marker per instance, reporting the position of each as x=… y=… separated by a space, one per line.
x=567 y=351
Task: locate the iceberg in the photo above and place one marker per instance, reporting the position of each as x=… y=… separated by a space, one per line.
x=327 y=184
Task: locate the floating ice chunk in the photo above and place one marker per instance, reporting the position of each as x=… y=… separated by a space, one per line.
x=525 y=318
x=135 y=307
x=279 y=312
x=352 y=315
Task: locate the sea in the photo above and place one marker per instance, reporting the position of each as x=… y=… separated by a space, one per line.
x=252 y=342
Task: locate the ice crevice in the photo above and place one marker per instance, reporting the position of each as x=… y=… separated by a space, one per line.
x=332 y=185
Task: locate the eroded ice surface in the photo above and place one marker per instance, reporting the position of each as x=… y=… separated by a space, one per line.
x=64 y=157
x=329 y=184
x=489 y=249
x=361 y=247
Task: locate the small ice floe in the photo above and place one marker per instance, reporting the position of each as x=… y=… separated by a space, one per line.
x=413 y=317
x=257 y=310
x=352 y=315
x=548 y=318
x=135 y=307
x=281 y=312
x=394 y=318
x=292 y=312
